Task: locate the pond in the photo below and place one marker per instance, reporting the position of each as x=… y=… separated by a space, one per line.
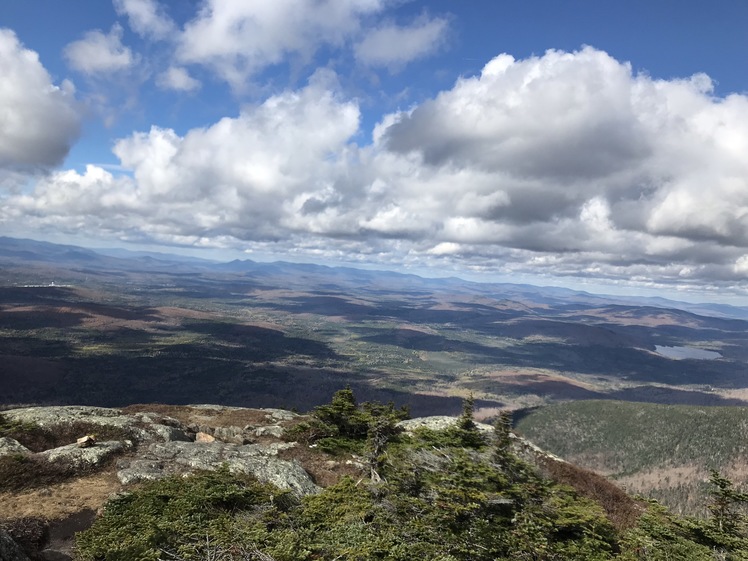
x=680 y=353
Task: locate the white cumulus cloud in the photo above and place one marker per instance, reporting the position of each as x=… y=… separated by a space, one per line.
x=230 y=179
x=99 y=52
x=393 y=45
x=589 y=161
x=240 y=39
x=177 y=78
x=39 y=121
x=568 y=163
x=147 y=17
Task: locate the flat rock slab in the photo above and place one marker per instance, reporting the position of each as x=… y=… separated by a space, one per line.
x=234 y=435
x=142 y=426
x=168 y=433
x=273 y=430
x=52 y=416
x=437 y=422
x=82 y=457
x=279 y=414
x=167 y=458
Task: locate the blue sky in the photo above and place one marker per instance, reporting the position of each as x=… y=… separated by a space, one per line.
x=597 y=144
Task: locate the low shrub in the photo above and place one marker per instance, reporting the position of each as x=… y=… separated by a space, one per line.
x=38 y=439
x=18 y=472
x=308 y=432
x=176 y=514
x=622 y=510
x=30 y=533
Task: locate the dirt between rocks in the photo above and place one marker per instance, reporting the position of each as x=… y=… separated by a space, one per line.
x=62 y=500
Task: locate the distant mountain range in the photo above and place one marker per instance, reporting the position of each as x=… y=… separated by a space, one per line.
x=20 y=251
x=167 y=327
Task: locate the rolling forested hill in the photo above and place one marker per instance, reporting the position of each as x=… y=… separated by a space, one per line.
x=77 y=326
x=661 y=451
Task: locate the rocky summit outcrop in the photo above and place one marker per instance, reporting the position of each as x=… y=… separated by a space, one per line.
x=110 y=450
x=166 y=458
x=92 y=455
x=50 y=417
x=154 y=445
x=140 y=426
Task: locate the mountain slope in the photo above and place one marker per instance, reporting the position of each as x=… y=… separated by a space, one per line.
x=662 y=451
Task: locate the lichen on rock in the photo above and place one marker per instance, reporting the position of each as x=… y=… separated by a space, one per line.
x=10 y=447
x=260 y=460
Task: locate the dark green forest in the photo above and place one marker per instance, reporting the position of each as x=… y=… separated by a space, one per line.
x=663 y=451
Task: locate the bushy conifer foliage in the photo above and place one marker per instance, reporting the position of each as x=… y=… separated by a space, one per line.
x=345 y=426
x=448 y=495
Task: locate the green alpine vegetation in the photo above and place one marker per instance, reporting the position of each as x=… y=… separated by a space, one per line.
x=661 y=451
x=448 y=495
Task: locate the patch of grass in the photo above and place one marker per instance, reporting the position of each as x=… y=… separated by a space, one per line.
x=39 y=439
x=19 y=472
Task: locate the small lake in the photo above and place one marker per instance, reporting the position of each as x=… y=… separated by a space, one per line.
x=680 y=353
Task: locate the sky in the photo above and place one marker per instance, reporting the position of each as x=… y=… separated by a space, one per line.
x=598 y=144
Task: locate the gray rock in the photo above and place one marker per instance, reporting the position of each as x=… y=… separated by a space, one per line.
x=530 y=452
x=215 y=408
x=437 y=423
x=231 y=434
x=164 y=428
x=11 y=447
x=141 y=470
x=235 y=435
x=168 y=433
x=211 y=455
x=10 y=550
x=83 y=457
x=271 y=430
x=51 y=416
x=280 y=414
x=166 y=458
x=284 y=475
x=143 y=426
x=54 y=555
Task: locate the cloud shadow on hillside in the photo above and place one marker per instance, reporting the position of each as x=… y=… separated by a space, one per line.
x=418 y=312
x=260 y=343
x=180 y=381
x=622 y=362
